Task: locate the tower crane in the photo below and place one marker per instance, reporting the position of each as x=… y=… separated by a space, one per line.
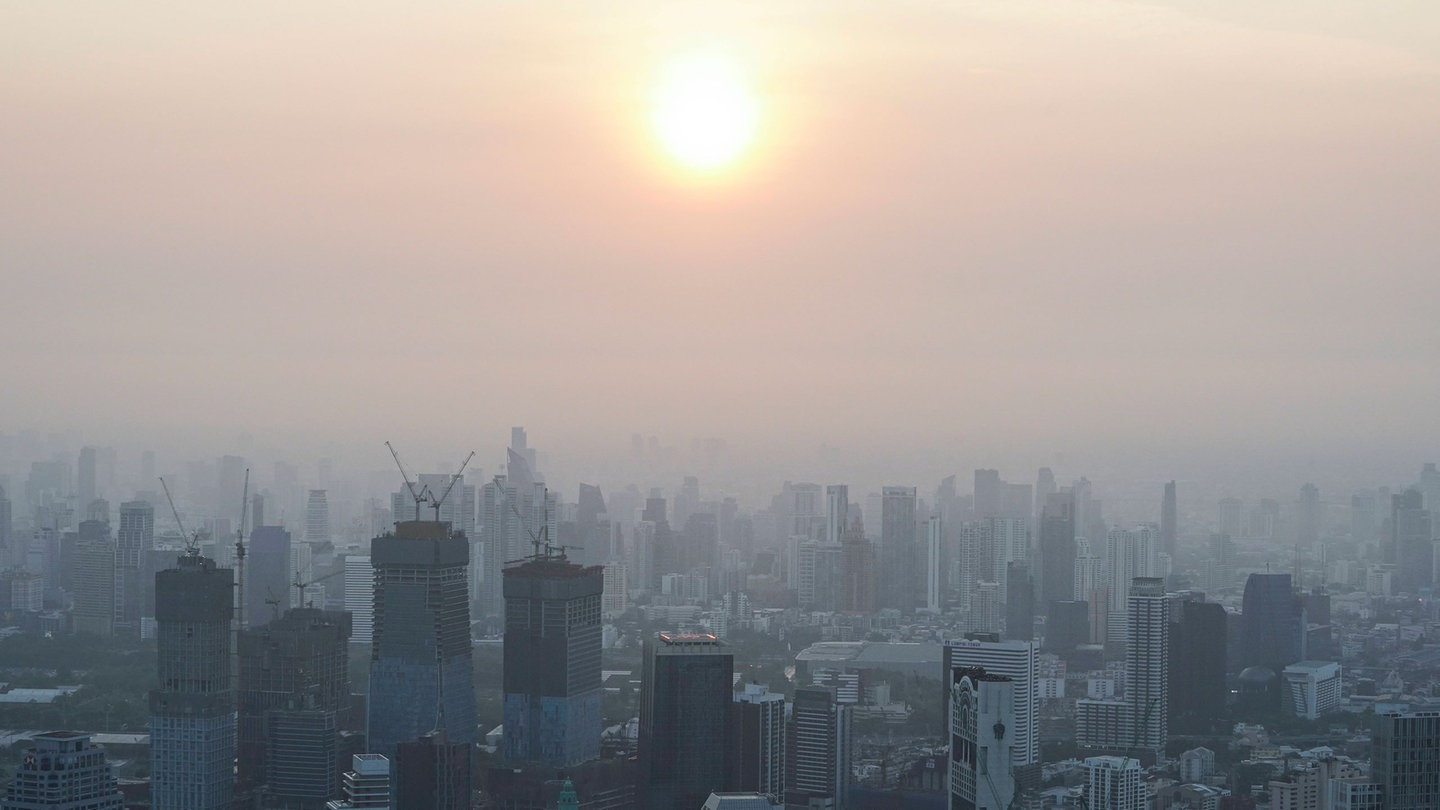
x=192 y=542
x=419 y=496
x=301 y=586
x=454 y=479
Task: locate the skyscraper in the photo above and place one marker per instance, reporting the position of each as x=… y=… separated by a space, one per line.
x=517 y=512
x=934 y=570
x=192 y=714
x=1197 y=665
x=684 y=718
x=1411 y=546
x=1272 y=622
x=268 y=574
x=1169 y=516
x=62 y=770
x=837 y=512
x=552 y=662
x=1057 y=549
x=94 y=611
x=360 y=597
x=1308 y=529
x=1019 y=602
x=85 y=485
x=293 y=699
x=133 y=541
x=1147 y=661
x=899 y=551
x=982 y=735
x=1405 y=759
x=820 y=734
x=317 y=517
x=857 y=571
x=759 y=747
x=420 y=664
x=1129 y=553
x=1015 y=660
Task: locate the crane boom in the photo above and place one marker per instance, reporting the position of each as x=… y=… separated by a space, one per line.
x=192 y=544
x=454 y=479
x=418 y=497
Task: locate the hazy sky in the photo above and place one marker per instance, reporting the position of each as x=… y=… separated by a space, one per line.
x=1018 y=227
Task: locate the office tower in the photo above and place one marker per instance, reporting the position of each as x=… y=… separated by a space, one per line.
x=192 y=714
x=820 y=765
x=1015 y=660
x=1198 y=633
x=934 y=572
x=1405 y=759
x=899 y=552
x=420 y=665
x=62 y=770
x=1057 y=549
x=1272 y=624
x=292 y=700
x=133 y=541
x=985 y=615
x=837 y=512
x=366 y=786
x=552 y=661
x=1128 y=554
x=317 y=517
x=759 y=747
x=267 y=574
x=432 y=773
x=684 y=717
x=1312 y=688
x=1411 y=546
x=94 y=611
x=857 y=571
x=1019 y=602
x=1308 y=516
x=85 y=486
x=1066 y=627
x=982 y=734
x=1169 y=515
x=360 y=597
x=1113 y=783
x=1147 y=661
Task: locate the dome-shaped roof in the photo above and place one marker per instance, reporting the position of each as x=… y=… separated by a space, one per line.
x=1258 y=676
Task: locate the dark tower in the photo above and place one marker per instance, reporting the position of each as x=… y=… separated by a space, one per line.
x=552 y=662
x=684 y=720
x=1019 y=602
x=1057 y=549
x=1273 y=622
x=267 y=573
x=1197 y=666
x=1169 y=515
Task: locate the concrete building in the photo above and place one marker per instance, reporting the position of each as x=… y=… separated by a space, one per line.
x=62 y=770
x=1113 y=783
x=192 y=714
x=360 y=597
x=94 y=611
x=982 y=725
x=1015 y=660
x=1147 y=663
x=1405 y=759
x=420 y=663
x=820 y=734
x=133 y=588
x=1312 y=688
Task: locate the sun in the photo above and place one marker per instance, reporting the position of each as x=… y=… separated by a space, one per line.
x=704 y=112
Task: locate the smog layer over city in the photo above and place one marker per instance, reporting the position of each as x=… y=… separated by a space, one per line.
x=743 y=406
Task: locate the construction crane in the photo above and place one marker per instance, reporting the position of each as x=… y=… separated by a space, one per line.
x=301 y=586
x=419 y=496
x=454 y=479
x=240 y=552
x=192 y=542
x=274 y=602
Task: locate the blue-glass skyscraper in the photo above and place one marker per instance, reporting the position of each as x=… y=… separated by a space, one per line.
x=420 y=664
x=552 y=661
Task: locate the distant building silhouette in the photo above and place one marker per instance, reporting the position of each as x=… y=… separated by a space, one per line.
x=1057 y=549
x=1169 y=519
x=1197 y=665
x=1273 y=623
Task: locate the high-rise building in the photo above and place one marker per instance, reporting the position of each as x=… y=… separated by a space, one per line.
x=1272 y=623
x=293 y=700
x=432 y=773
x=1169 y=519
x=1113 y=783
x=420 y=663
x=1015 y=660
x=820 y=749
x=1312 y=688
x=1129 y=553
x=899 y=550
x=133 y=588
x=837 y=512
x=317 y=517
x=360 y=597
x=1411 y=546
x=552 y=678
x=366 y=786
x=518 y=513
x=267 y=574
x=62 y=770
x=684 y=720
x=1230 y=518
x=985 y=615
x=1019 y=602
x=1405 y=759
x=759 y=747
x=1147 y=662
x=192 y=713
x=94 y=576
x=982 y=737
x=1067 y=627
x=934 y=567
x=1057 y=549
x=857 y=571
x=1198 y=633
